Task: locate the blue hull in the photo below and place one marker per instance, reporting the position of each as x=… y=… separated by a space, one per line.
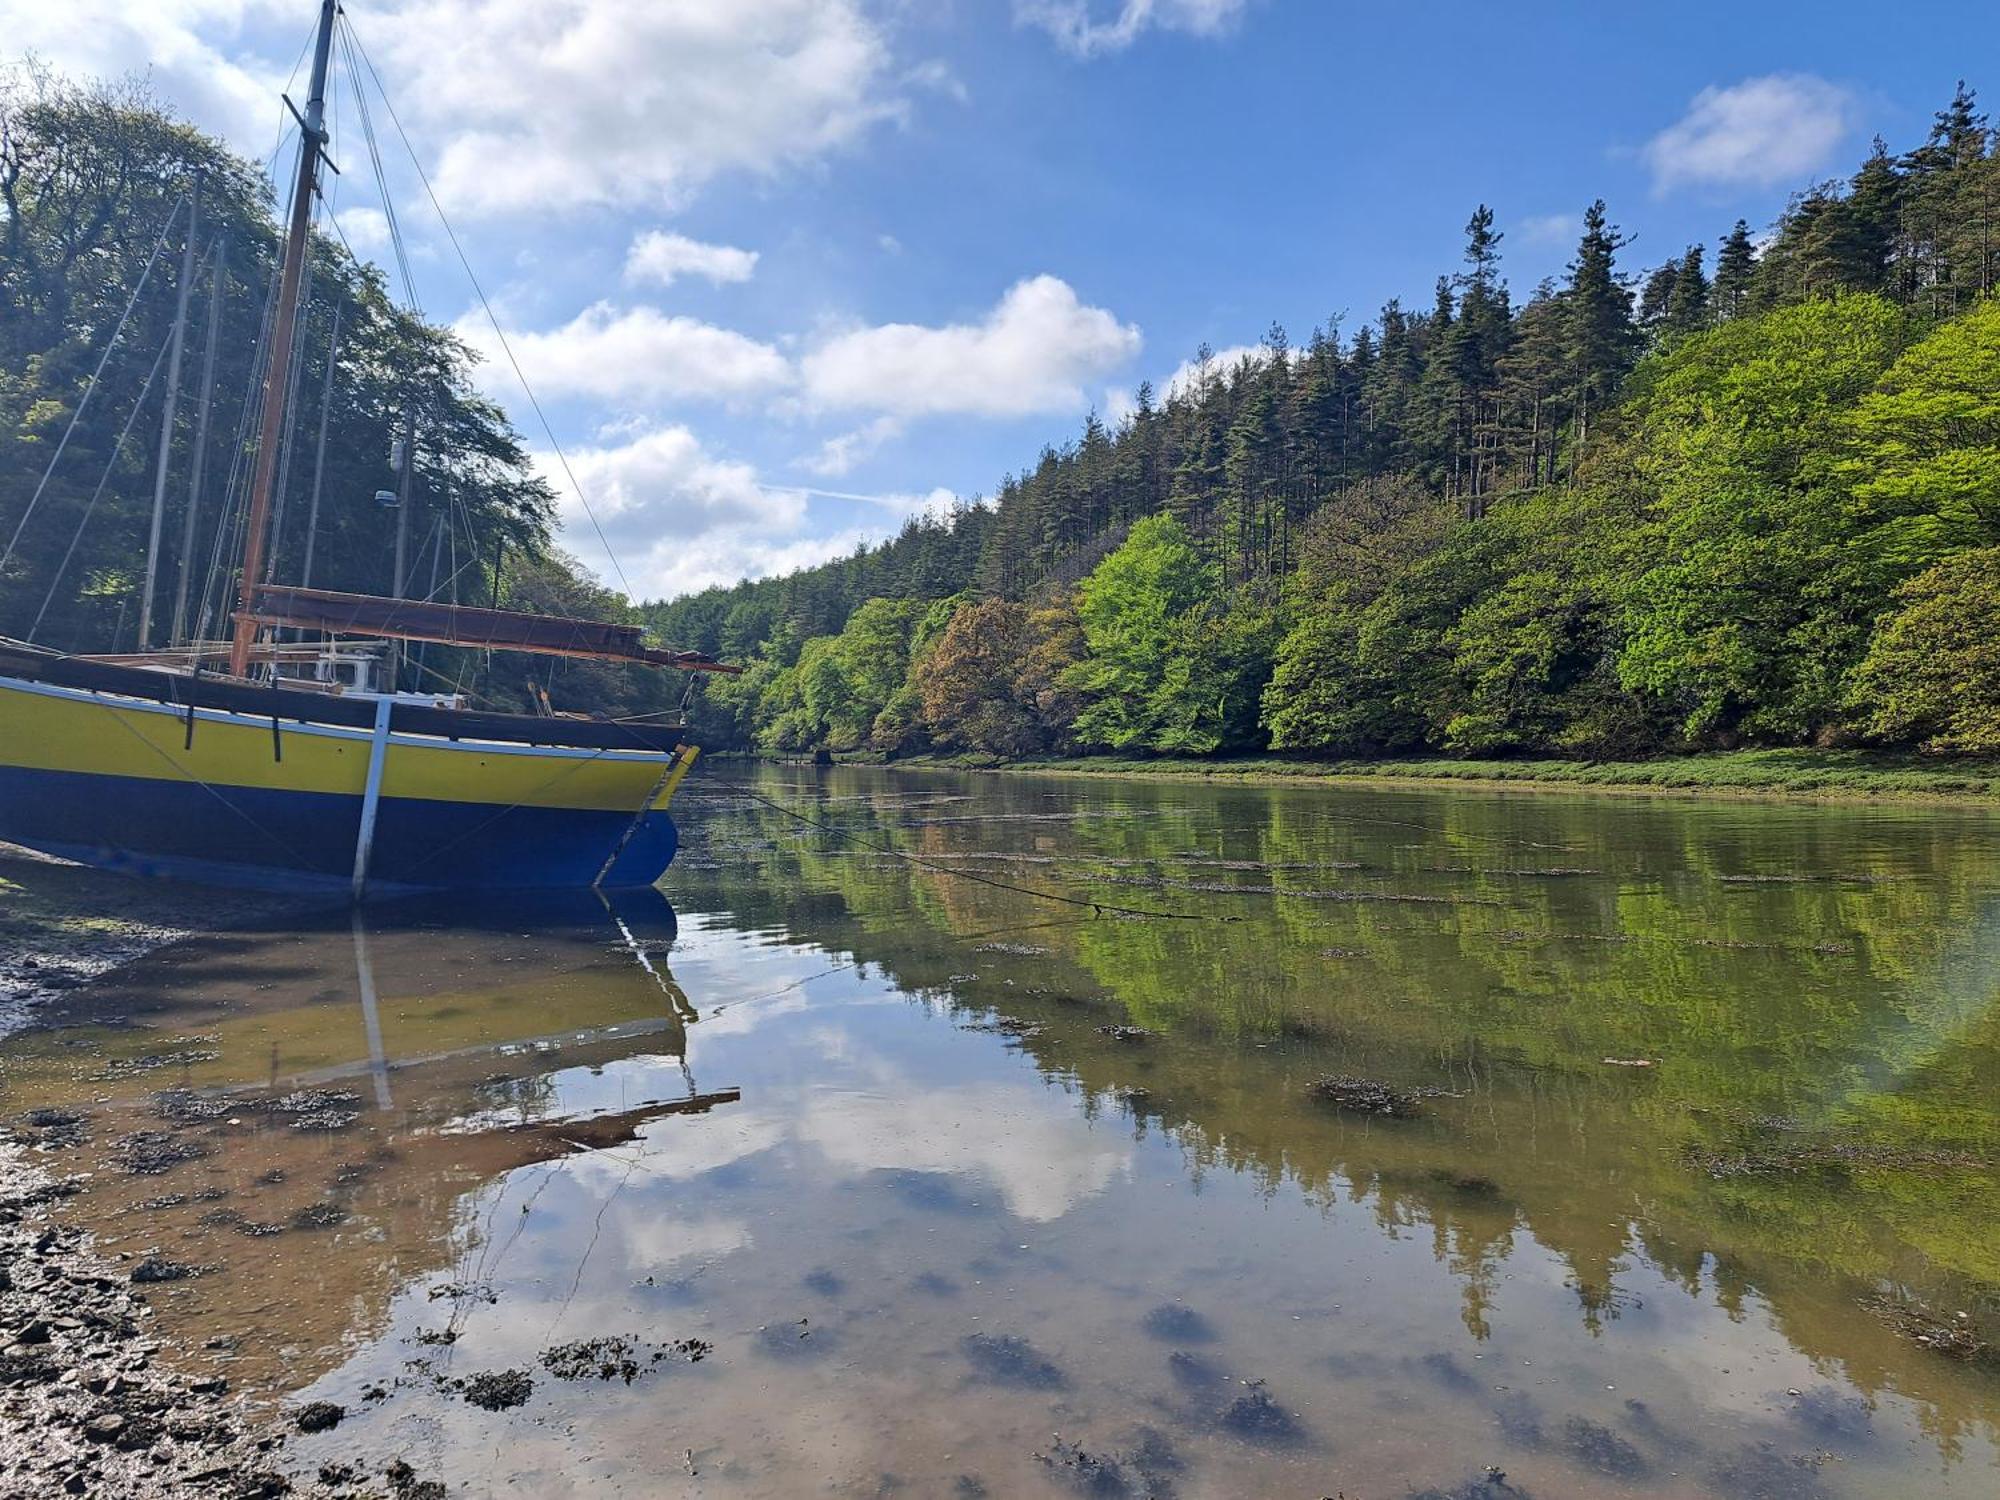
x=290 y=840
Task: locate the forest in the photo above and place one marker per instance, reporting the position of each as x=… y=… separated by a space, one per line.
x=1735 y=500
x=1741 y=498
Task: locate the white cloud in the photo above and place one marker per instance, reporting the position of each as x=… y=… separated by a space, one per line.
x=680 y=518
x=1186 y=380
x=366 y=230
x=1761 y=132
x=902 y=504
x=191 y=52
x=1087 y=29
x=661 y=256
x=938 y=76
x=519 y=104
x=639 y=354
x=1030 y=354
x=1549 y=229
x=729 y=554
x=838 y=455
x=664 y=486
x=607 y=102
x=1036 y=1158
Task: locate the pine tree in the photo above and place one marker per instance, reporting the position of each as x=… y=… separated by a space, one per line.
x=1874 y=203
x=1253 y=469
x=1601 y=336
x=1477 y=344
x=1948 y=256
x=1735 y=267
x=1687 y=309
x=1534 y=385
x=1656 y=296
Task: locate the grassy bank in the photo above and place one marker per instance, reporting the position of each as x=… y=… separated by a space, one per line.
x=1793 y=773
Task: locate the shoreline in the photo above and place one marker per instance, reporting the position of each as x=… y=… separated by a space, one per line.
x=92 y=1401
x=86 y=1406
x=1793 y=776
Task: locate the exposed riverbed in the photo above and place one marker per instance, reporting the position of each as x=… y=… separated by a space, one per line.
x=1456 y=1144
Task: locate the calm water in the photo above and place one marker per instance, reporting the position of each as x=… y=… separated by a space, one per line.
x=856 y=1126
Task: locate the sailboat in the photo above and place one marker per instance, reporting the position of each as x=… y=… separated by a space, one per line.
x=232 y=765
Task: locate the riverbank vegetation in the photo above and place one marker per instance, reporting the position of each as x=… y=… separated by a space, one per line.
x=1746 y=503
x=1806 y=772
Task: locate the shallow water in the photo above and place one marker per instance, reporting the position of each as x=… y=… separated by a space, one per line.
x=1710 y=1093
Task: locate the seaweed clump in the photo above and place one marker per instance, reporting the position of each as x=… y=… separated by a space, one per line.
x=1371 y=1096
x=1954 y=1337
x=498 y=1390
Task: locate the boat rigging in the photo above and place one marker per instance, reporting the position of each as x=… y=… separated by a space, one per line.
x=280 y=763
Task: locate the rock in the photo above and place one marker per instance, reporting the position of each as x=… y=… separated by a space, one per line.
x=1256 y=1416
x=1367 y=1096
x=157 y=1268
x=318 y=1416
x=104 y=1427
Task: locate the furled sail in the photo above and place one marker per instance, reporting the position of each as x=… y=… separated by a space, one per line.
x=464 y=625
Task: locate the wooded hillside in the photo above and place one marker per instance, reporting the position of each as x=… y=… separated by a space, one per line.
x=1737 y=498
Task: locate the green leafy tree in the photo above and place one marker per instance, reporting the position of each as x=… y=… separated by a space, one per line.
x=1932 y=672
x=1925 y=446
x=1753 y=610
x=1131 y=609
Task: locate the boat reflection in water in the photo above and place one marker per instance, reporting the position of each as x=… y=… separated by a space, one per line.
x=299 y=1119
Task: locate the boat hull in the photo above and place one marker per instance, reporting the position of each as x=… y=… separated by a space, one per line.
x=227 y=797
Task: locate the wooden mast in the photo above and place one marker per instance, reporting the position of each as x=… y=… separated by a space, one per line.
x=277 y=380
x=167 y=415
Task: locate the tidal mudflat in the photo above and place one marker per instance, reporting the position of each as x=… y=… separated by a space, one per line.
x=1443 y=1143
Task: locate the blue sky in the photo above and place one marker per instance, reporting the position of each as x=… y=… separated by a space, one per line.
x=783 y=271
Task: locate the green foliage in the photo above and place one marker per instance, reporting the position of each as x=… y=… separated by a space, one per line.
x=1932 y=673
x=1753 y=607
x=1133 y=609
x=839 y=686
x=1334 y=685
x=1926 y=446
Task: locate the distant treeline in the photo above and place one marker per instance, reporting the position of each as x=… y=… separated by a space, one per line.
x=1753 y=499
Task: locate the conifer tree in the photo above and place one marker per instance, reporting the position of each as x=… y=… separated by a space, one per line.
x=1735 y=266
x=1656 y=296
x=1601 y=336
x=1687 y=309
x=1534 y=384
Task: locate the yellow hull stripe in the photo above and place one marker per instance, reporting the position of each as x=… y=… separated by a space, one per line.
x=62 y=730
